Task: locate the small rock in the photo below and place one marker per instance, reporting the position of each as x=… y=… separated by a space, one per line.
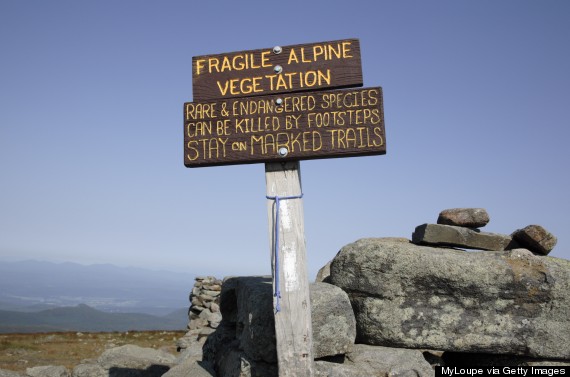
x=536 y=239
x=466 y=217
x=89 y=370
x=215 y=308
x=211 y=293
x=48 y=371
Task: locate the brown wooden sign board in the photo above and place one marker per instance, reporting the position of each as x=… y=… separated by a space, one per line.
x=277 y=128
x=287 y=69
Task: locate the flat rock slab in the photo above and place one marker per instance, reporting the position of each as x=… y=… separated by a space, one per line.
x=48 y=371
x=536 y=239
x=466 y=217
x=135 y=357
x=365 y=360
x=456 y=236
x=411 y=296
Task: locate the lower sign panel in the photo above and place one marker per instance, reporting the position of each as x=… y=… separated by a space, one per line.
x=302 y=126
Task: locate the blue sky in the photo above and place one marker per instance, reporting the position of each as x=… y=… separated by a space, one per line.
x=476 y=106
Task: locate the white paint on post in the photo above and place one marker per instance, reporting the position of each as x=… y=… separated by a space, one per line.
x=290 y=267
x=293 y=328
x=284 y=215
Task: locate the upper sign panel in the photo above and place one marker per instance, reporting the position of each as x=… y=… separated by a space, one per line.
x=279 y=69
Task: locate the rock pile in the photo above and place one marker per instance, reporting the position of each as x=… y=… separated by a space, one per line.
x=458 y=227
x=204 y=314
x=205 y=300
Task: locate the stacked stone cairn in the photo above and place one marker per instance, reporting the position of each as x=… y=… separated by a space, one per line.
x=458 y=227
x=204 y=314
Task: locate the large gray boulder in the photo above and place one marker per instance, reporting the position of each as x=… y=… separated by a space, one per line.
x=412 y=296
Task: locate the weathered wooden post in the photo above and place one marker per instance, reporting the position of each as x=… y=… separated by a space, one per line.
x=268 y=106
x=293 y=327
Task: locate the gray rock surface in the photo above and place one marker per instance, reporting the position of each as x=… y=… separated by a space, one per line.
x=466 y=217
x=488 y=360
x=89 y=370
x=191 y=368
x=48 y=371
x=412 y=296
x=374 y=361
x=9 y=373
x=448 y=235
x=536 y=239
x=324 y=273
x=334 y=325
x=135 y=357
x=246 y=335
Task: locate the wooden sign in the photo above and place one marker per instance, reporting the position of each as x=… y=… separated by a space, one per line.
x=278 y=128
x=287 y=69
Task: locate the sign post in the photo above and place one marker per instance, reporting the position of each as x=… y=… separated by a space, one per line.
x=293 y=327
x=276 y=106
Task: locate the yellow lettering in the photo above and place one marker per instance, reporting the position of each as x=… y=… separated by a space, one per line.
x=281 y=83
x=241 y=65
x=199 y=65
x=213 y=63
x=265 y=59
x=226 y=66
x=239 y=146
x=346 y=50
x=234 y=87
x=317 y=51
x=246 y=89
x=257 y=85
x=223 y=90
x=292 y=56
x=303 y=56
x=378 y=132
x=195 y=153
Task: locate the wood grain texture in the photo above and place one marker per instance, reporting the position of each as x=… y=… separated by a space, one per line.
x=251 y=72
x=293 y=327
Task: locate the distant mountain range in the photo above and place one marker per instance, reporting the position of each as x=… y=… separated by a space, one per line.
x=85 y=318
x=79 y=294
